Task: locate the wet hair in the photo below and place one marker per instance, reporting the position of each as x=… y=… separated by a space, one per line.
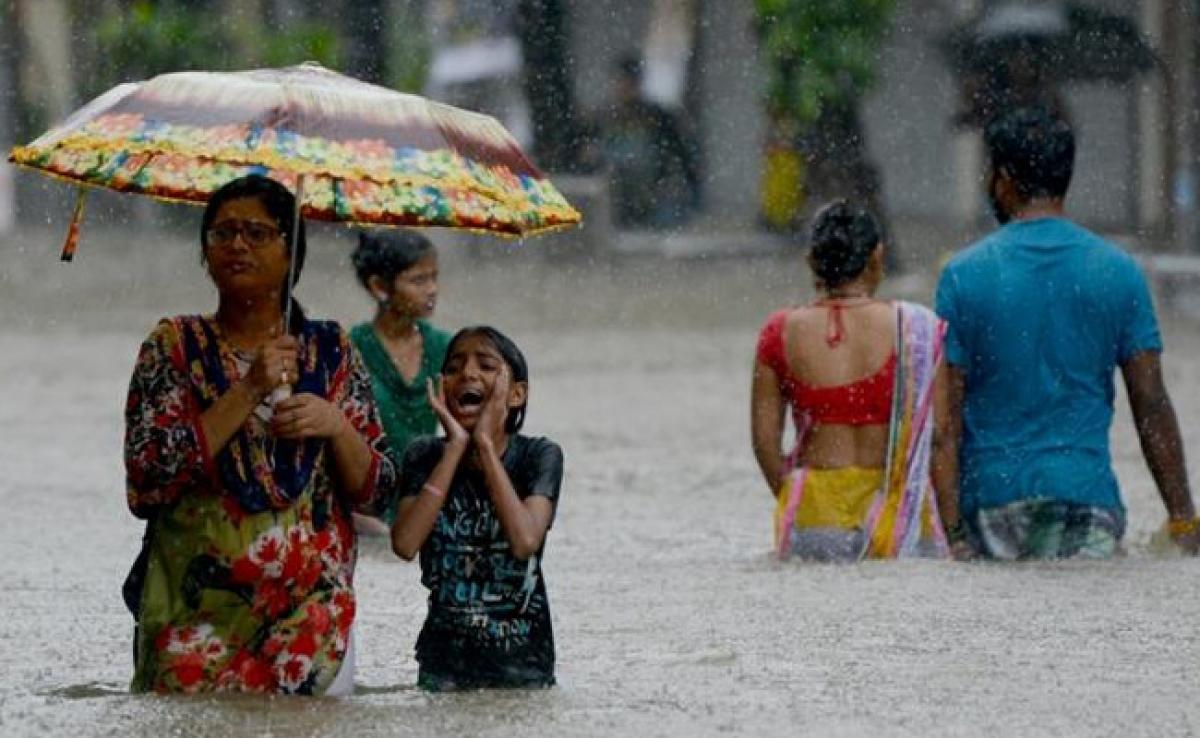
x=387 y=253
x=280 y=204
x=842 y=240
x=511 y=355
x=1036 y=148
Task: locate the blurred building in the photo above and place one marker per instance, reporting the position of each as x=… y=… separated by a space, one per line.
x=8 y=117
x=476 y=60
x=1137 y=172
x=1136 y=169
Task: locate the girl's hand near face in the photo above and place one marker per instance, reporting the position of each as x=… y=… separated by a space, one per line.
x=455 y=433
x=417 y=515
x=494 y=414
x=308 y=416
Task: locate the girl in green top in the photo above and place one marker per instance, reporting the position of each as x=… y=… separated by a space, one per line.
x=401 y=349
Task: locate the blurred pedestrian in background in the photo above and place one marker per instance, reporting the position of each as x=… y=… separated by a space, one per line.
x=652 y=160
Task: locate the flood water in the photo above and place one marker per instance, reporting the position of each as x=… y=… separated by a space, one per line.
x=670 y=616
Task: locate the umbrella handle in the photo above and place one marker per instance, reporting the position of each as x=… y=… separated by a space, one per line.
x=280 y=393
x=72 y=241
x=291 y=281
x=284 y=391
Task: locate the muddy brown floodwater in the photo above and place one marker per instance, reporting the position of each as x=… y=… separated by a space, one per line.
x=670 y=617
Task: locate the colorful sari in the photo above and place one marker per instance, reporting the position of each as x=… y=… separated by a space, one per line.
x=854 y=513
x=245 y=580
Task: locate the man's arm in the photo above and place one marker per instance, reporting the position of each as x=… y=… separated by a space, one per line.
x=1158 y=432
x=948 y=393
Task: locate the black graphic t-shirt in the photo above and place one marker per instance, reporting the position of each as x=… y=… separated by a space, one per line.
x=489 y=618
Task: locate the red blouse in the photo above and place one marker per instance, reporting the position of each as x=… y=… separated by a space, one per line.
x=867 y=401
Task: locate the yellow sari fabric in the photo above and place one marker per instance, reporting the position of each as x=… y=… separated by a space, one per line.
x=833 y=498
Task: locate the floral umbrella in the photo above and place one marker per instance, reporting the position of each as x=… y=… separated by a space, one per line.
x=352 y=152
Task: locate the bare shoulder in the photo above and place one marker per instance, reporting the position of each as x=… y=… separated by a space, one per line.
x=803 y=317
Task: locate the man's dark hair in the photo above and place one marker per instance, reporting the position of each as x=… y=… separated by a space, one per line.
x=1035 y=148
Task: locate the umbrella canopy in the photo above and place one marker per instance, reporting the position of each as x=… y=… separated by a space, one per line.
x=365 y=154
x=1070 y=41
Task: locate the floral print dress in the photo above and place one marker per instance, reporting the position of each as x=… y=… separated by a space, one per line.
x=246 y=577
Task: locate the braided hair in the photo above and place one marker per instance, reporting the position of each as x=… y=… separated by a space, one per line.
x=842 y=240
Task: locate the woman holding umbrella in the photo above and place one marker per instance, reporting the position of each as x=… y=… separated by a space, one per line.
x=245 y=580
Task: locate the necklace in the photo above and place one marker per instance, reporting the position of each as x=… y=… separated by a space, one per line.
x=835 y=331
x=859 y=296
x=240 y=345
x=390 y=333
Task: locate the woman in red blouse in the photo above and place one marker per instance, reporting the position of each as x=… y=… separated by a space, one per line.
x=861 y=377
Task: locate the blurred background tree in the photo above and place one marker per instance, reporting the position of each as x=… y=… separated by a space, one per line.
x=137 y=39
x=407 y=46
x=66 y=52
x=366 y=22
x=544 y=33
x=822 y=57
x=69 y=51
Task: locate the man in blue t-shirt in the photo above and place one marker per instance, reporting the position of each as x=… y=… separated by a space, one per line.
x=1040 y=314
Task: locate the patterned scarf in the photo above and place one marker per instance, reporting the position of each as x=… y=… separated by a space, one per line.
x=261 y=471
x=905 y=510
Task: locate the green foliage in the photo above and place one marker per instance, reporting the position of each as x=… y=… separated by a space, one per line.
x=139 y=39
x=409 y=51
x=147 y=38
x=300 y=43
x=820 y=53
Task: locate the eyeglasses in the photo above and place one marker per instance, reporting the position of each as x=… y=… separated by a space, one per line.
x=256 y=235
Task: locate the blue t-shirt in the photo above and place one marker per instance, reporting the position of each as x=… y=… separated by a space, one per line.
x=1040 y=314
